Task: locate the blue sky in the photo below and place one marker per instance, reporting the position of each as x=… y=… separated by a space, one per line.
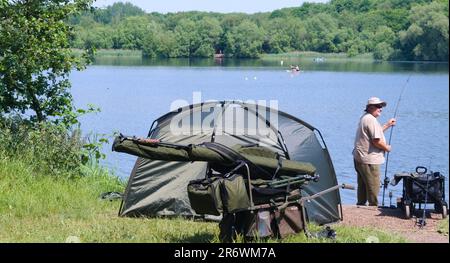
x=226 y=6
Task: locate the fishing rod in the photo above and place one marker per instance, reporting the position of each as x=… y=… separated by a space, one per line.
x=421 y=222
x=386 y=178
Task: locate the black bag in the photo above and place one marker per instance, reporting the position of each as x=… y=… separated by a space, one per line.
x=216 y=195
x=204 y=196
x=234 y=194
x=416 y=187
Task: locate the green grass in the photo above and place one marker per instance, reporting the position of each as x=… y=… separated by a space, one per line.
x=443 y=227
x=346 y=234
x=39 y=208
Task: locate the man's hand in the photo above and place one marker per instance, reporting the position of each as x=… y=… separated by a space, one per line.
x=388 y=148
x=390 y=123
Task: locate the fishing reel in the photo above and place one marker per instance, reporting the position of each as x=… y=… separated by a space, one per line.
x=386 y=182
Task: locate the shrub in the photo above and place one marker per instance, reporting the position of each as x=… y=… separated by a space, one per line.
x=47 y=147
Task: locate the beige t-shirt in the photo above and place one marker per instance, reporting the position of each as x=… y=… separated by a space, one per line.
x=368 y=129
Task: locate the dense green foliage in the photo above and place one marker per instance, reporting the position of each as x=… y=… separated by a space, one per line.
x=35 y=98
x=35 y=59
x=49 y=148
x=390 y=29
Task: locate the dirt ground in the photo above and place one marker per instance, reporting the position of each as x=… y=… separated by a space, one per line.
x=392 y=220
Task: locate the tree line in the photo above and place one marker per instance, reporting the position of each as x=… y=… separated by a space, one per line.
x=389 y=29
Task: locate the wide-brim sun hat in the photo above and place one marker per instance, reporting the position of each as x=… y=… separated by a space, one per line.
x=376 y=101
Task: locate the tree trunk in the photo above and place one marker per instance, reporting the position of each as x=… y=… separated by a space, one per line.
x=35 y=105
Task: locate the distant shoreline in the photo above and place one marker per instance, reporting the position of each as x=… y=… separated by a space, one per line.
x=293 y=54
x=286 y=57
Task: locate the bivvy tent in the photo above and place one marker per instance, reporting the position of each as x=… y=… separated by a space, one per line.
x=183 y=145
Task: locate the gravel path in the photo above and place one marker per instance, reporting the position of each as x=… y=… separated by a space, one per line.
x=392 y=220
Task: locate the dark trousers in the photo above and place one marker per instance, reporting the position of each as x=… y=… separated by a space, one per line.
x=368 y=183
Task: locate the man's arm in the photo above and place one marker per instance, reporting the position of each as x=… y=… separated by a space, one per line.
x=380 y=144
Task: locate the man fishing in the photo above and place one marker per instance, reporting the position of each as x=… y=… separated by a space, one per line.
x=368 y=153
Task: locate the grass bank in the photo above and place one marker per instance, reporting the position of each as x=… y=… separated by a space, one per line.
x=40 y=208
x=311 y=55
x=112 y=52
x=35 y=207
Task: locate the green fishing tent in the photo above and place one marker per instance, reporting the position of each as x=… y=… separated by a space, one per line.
x=157 y=185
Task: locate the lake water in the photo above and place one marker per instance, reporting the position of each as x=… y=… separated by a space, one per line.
x=330 y=96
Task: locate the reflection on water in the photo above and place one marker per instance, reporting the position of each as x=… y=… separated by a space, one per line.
x=307 y=64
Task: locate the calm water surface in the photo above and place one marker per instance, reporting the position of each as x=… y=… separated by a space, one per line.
x=329 y=96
